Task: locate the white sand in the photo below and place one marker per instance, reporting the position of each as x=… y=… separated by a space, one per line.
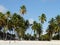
x=29 y=42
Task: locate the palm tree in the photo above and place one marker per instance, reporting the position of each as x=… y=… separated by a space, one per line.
x=16 y=21
x=42 y=18
x=19 y=24
x=23 y=9
x=7 y=15
x=58 y=23
x=51 y=28
x=2 y=21
x=37 y=27
x=56 y=31
x=50 y=32
x=34 y=26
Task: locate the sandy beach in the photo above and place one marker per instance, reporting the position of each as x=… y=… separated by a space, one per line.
x=53 y=42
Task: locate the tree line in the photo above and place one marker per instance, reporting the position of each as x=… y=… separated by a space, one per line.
x=17 y=23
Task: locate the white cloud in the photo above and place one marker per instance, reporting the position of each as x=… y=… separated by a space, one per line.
x=31 y=21
x=2 y=9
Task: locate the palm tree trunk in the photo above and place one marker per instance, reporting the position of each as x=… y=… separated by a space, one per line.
x=3 y=35
x=39 y=36
x=6 y=37
x=59 y=34
x=50 y=36
x=59 y=31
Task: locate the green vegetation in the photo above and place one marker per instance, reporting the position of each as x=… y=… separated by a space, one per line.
x=15 y=21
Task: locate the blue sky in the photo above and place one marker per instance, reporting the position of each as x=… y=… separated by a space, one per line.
x=34 y=8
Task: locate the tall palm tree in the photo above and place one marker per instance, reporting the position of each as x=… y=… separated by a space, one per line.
x=50 y=32
x=58 y=23
x=7 y=15
x=20 y=24
x=2 y=21
x=51 y=28
x=42 y=18
x=23 y=9
x=16 y=21
x=37 y=27
x=34 y=26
